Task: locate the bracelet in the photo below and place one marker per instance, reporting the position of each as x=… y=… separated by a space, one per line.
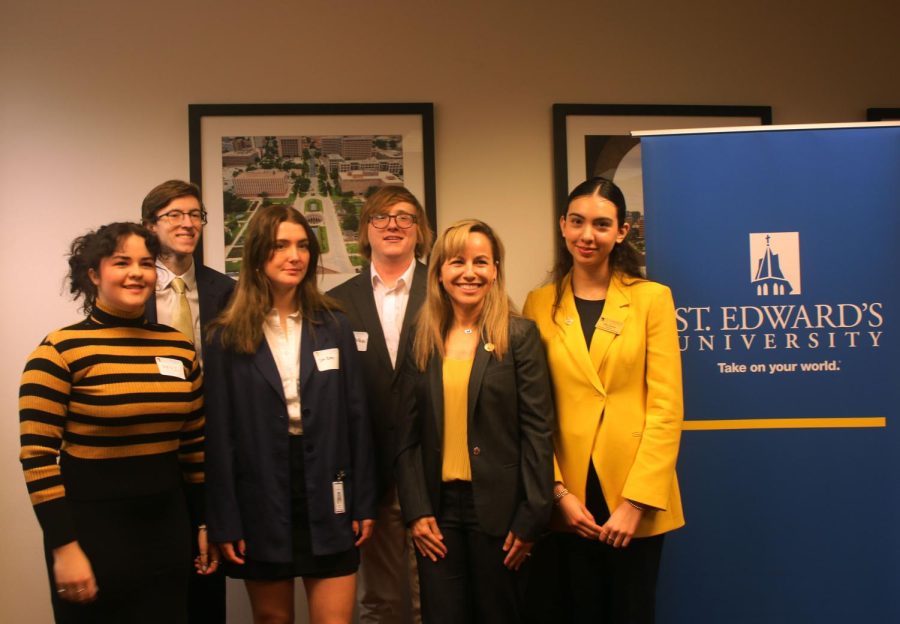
x=636 y=505
x=558 y=496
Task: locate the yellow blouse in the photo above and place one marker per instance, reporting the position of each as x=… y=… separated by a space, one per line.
x=456 y=465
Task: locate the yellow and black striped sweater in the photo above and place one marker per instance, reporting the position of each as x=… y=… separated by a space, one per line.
x=109 y=408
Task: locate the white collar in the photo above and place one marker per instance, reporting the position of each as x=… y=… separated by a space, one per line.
x=272 y=316
x=164 y=276
x=403 y=281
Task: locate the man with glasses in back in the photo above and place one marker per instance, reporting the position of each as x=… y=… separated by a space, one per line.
x=188 y=296
x=381 y=303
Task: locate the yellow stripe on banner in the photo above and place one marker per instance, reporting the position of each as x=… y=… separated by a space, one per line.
x=784 y=423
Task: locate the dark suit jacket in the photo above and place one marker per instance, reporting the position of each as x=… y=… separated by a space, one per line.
x=510 y=424
x=247 y=444
x=214 y=290
x=358 y=300
x=206 y=602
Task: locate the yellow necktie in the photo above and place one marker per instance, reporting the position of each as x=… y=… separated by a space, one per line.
x=182 y=320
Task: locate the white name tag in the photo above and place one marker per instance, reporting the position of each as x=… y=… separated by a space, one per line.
x=170 y=367
x=337 y=491
x=362 y=340
x=327 y=359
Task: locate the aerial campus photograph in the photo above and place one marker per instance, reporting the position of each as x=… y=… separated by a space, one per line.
x=327 y=178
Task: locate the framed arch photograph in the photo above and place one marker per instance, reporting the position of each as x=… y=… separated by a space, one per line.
x=595 y=139
x=883 y=114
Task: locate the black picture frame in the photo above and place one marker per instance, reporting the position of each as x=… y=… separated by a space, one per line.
x=213 y=126
x=582 y=132
x=883 y=114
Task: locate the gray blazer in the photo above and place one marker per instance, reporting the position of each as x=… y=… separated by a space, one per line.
x=510 y=425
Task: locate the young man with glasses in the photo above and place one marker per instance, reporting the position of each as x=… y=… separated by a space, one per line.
x=188 y=296
x=381 y=303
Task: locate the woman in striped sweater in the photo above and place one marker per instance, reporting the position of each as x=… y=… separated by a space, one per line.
x=111 y=417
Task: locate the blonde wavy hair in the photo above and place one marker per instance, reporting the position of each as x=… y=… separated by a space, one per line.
x=436 y=315
x=380 y=202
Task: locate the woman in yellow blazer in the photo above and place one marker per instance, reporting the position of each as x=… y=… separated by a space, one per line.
x=612 y=349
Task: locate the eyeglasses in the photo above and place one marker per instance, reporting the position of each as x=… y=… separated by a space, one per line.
x=174 y=217
x=402 y=219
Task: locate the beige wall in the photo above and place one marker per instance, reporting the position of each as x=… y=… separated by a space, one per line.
x=94 y=112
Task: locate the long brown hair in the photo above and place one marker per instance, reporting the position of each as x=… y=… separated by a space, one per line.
x=436 y=314
x=240 y=326
x=624 y=259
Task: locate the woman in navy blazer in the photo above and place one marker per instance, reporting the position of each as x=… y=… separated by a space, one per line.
x=475 y=463
x=290 y=461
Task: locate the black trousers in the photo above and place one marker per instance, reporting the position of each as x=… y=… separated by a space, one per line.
x=610 y=585
x=605 y=584
x=470 y=585
x=206 y=594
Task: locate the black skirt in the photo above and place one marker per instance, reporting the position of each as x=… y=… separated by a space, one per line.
x=304 y=562
x=140 y=551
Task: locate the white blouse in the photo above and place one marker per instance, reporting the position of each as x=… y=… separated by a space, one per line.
x=285 y=347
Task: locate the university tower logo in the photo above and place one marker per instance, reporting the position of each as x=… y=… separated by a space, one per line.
x=775 y=263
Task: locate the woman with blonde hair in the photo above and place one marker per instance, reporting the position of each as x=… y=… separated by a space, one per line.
x=612 y=348
x=474 y=469
x=290 y=460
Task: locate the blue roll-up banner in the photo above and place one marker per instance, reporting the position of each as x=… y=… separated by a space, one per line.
x=781 y=249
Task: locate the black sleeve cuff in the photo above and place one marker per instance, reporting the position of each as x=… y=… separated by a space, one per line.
x=56 y=522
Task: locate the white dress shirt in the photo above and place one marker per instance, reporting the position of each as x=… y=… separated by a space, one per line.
x=391 y=306
x=285 y=347
x=167 y=299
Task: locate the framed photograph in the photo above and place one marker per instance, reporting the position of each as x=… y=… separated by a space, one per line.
x=883 y=114
x=594 y=139
x=323 y=159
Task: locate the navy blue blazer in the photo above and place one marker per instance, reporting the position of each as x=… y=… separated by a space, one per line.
x=247 y=444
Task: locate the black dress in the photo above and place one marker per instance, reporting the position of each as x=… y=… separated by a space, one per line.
x=111 y=412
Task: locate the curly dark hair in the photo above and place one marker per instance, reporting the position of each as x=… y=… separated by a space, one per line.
x=86 y=252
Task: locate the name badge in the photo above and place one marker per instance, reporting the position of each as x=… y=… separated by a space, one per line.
x=337 y=492
x=327 y=359
x=610 y=325
x=170 y=367
x=362 y=340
